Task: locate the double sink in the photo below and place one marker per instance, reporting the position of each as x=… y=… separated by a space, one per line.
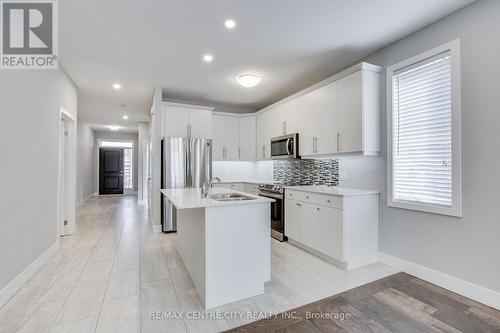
x=230 y=197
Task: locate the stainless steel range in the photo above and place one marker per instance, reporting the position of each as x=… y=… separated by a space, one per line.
x=276 y=192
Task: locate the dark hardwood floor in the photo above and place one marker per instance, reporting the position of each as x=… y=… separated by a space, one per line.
x=397 y=303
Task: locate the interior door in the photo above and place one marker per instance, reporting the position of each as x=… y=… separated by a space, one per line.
x=63 y=190
x=110 y=170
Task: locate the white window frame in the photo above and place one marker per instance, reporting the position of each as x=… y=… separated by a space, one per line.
x=456 y=177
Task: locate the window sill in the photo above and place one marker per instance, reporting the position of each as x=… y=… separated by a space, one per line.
x=426 y=208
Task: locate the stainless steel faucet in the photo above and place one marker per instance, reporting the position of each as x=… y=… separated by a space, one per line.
x=207 y=185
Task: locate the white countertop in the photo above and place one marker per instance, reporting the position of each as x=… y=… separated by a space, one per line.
x=331 y=190
x=247 y=181
x=187 y=198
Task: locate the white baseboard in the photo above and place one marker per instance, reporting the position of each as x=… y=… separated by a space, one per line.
x=468 y=289
x=13 y=286
x=156 y=227
x=140 y=202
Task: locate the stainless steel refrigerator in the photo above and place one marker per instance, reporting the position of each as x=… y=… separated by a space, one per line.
x=186 y=162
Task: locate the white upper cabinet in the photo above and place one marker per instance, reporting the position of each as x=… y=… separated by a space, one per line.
x=225 y=137
x=292 y=117
x=232 y=138
x=325 y=109
x=218 y=137
x=199 y=122
x=350 y=113
x=278 y=118
x=341 y=116
x=176 y=122
x=318 y=135
x=247 y=138
x=359 y=113
x=264 y=122
x=181 y=120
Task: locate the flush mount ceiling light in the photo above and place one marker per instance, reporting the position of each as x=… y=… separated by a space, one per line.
x=248 y=80
x=117 y=86
x=113 y=128
x=125 y=117
x=230 y=24
x=208 y=58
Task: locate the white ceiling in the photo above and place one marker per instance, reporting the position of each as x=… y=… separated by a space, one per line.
x=290 y=43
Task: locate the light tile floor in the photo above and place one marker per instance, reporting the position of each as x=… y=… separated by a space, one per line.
x=114 y=272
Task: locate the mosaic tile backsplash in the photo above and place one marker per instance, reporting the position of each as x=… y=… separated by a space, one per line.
x=307 y=172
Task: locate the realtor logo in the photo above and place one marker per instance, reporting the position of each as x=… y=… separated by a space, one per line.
x=29 y=34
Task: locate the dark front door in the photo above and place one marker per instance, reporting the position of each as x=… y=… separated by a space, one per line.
x=110 y=171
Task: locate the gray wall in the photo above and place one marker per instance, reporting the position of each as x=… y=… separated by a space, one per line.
x=29 y=106
x=109 y=135
x=86 y=164
x=466 y=247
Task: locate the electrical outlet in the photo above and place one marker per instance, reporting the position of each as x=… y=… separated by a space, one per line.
x=343 y=175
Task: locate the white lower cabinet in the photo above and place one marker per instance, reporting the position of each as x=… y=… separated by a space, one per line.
x=344 y=229
x=330 y=240
x=293 y=216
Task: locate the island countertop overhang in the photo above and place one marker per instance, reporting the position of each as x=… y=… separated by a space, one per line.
x=189 y=198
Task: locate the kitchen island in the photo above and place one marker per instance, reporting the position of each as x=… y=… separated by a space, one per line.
x=224 y=241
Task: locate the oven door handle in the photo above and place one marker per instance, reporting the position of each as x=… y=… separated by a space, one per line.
x=271 y=195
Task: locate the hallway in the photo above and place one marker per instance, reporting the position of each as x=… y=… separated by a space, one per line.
x=115 y=274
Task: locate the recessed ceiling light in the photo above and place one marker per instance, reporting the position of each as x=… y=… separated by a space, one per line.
x=208 y=58
x=230 y=24
x=248 y=80
x=113 y=128
x=117 y=86
x=125 y=117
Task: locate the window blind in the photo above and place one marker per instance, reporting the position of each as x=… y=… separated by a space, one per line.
x=422 y=141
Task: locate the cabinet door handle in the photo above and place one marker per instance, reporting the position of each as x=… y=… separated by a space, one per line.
x=329 y=201
x=338 y=141
x=307 y=197
x=318 y=209
x=239 y=153
x=317 y=145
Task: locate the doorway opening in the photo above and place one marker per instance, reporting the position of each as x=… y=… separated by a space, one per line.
x=66 y=174
x=116 y=167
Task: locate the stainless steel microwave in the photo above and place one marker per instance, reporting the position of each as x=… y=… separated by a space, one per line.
x=284 y=147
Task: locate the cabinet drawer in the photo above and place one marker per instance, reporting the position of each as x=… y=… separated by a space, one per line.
x=315 y=198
